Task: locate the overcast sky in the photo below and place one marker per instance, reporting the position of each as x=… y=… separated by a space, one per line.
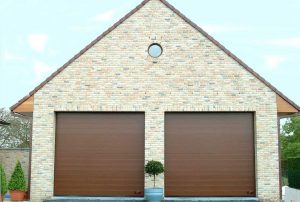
x=39 y=36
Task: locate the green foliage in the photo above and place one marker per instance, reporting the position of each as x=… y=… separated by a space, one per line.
x=292 y=126
x=290 y=138
x=294 y=163
x=3 y=180
x=17 y=134
x=154 y=168
x=17 y=181
x=290 y=150
x=293 y=172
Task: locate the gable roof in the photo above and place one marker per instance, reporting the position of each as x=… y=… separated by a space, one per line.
x=234 y=57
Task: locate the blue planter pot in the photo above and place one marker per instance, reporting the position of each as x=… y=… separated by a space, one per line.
x=154 y=194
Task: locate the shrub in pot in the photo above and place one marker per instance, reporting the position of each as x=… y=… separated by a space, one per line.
x=2 y=182
x=17 y=184
x=154 y=168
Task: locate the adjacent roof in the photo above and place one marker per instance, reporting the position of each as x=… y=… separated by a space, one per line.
x=186 y=20
x=2 y=122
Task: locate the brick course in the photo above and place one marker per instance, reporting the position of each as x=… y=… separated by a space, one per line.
x=192 y=74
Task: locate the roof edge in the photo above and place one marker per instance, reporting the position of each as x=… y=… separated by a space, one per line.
x=186 y=19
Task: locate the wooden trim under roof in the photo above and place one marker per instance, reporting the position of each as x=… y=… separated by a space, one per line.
x=284 y=107
x=195 y=26
x=26 y=106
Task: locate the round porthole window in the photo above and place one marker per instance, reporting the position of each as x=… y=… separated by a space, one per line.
x=155 y=50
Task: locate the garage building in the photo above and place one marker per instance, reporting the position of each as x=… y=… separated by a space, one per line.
x=155 y=86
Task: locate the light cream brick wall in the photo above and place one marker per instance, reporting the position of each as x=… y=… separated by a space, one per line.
x=9 y=158
x=117 y=74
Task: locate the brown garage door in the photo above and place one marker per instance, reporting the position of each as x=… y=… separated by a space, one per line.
x=209 y=154
x=99 y=154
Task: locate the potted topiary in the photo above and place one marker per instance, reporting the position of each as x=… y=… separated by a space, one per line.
x=154 y=168
x=17 y=184
x=3 y=182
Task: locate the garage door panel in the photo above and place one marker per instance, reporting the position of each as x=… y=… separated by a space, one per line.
x=111 y=192
x=232 y=150
x=208 y=155
x=108 y=167
x=208 y=187
x=211 y=191
x=214 y=160
x=209 y=167
x=99 y=154
x=211 y=176
x=208 y=146
x=105 y=149
x=208 y=139
x=209 y=149
x=112 y=182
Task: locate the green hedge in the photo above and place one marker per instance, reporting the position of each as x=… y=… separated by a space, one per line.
x=3 y=181
x=293 y=172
